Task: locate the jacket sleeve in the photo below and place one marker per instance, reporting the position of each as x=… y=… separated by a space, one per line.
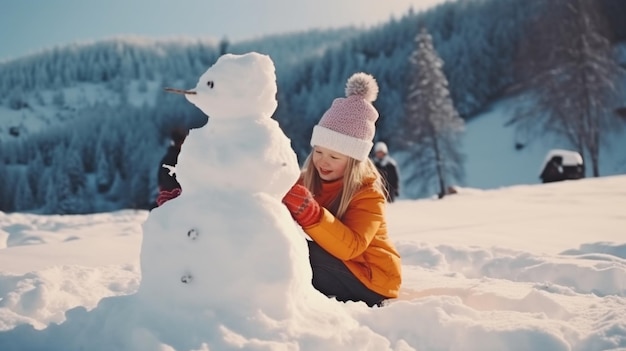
x=349 y=237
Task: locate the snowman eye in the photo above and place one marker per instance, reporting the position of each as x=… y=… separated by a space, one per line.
x=210 y=84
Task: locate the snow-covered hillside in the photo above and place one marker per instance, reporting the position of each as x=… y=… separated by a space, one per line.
x=50 y=109
x=489 y=145
x=493 y=160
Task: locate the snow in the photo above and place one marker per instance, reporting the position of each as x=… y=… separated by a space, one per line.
x=570 y=158
x=526 y=267
x=537 y=267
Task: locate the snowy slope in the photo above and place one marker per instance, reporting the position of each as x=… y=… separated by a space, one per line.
x=493 y=161
x=48 y=109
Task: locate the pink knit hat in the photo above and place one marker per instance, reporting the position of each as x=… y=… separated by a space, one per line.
x=348 y=125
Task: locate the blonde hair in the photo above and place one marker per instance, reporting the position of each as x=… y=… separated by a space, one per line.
x=354 y=177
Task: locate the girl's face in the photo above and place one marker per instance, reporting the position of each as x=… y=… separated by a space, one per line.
x=330 y=165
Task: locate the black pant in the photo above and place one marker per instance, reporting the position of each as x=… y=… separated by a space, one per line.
x=333 y=279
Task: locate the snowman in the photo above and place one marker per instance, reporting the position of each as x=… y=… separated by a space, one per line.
x=228 y=239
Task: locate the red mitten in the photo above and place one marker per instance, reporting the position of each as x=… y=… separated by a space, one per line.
x=303 y=207
x=166 y=195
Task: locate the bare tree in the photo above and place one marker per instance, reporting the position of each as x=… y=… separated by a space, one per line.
x=432 y=124
x=570 y=71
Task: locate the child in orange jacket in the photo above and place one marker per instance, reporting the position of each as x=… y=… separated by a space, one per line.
x=339 y=201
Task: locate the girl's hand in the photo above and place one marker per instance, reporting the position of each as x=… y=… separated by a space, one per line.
x=302 y=206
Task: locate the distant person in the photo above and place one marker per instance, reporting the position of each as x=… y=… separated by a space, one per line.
x=169 y=187
x=388 y=168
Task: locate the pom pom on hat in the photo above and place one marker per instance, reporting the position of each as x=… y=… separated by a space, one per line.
x=348 y=126
x=363 y=85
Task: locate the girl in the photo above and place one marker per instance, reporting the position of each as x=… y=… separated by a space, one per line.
x=340 y=203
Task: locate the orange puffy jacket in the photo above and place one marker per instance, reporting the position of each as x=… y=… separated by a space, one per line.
x=360 y=238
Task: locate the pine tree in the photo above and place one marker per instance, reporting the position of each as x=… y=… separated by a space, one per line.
x=34 y=172
x=432 y=125
x=104 y=172
x=51 y=194
x=10 y=178
x=69 y=182
x=43 y=183
x=24 y=198
x=74 y=170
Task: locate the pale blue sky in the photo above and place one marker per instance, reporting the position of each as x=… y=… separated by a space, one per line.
x=28 y=26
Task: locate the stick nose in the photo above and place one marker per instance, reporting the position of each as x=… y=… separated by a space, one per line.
x=180 y=91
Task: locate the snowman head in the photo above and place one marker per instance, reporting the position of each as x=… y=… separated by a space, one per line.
x=238 y=93
x=236 y=86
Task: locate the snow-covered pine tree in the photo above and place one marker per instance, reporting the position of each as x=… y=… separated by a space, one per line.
x=105 y=174
x=24 y=198
x=431 y=124
x=70 y=181
x=34 y=171
x=10 y=177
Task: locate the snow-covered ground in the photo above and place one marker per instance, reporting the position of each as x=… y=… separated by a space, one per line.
x=537 y=267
